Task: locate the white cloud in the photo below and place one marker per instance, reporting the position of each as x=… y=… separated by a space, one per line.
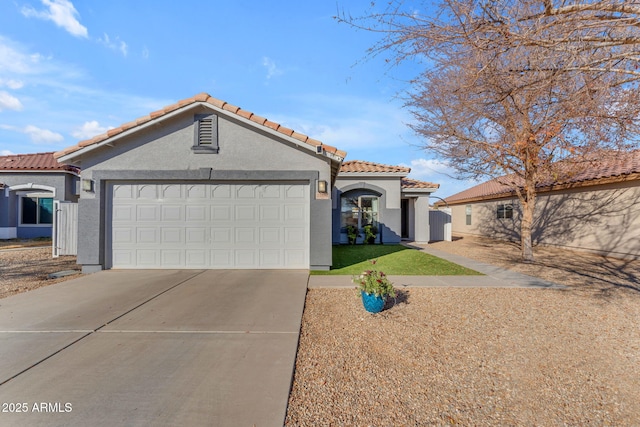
x=272 y=68
x=145 y=53
x=89 y=130
x=9 y=102
x=60 y=12
x=11 y=84
x=6 y=153
x=42 y=136
x=116 y=44
x=424 y=168
x=36 y=134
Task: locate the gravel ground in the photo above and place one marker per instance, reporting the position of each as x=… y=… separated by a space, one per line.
x=465 y=356
x=22 y=270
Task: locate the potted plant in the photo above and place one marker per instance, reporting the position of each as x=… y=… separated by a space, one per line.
x=375 y=288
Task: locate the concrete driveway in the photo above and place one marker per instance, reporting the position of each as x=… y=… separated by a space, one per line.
x=171 y=347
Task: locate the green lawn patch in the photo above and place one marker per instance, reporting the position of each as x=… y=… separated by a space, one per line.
x=392 y=259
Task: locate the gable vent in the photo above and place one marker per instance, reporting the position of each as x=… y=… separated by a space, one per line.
x=206 y=133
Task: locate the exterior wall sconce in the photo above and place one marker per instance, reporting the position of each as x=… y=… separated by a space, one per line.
x=87 y=185
x=322 y=186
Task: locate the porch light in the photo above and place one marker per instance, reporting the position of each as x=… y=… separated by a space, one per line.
x=87 y=185
x=322 y=186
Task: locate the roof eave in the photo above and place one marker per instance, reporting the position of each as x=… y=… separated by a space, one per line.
x=372 y=174
x=338 y=156
x=418 y=191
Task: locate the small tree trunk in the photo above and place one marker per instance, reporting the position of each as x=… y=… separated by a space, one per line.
x=525 y=232
x=526 y=226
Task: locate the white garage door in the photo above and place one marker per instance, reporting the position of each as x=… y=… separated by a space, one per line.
x=209 y=225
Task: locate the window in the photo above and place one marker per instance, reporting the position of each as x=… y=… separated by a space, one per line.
x=359 y=211
x=468 y=214
x=36 y=210
x=206 y=134
x=505 y=211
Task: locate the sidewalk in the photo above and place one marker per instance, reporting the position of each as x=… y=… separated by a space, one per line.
x=494 y=277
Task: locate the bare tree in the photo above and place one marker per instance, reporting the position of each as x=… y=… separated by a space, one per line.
x=530 y=89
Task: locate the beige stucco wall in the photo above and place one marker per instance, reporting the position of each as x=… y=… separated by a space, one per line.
x=603 y=219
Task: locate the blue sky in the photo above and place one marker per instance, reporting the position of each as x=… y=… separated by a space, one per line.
x=70 y=70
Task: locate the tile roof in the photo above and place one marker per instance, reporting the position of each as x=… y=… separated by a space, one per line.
x=414 y=184
x=206 y=98
x=610 y=168
x=33 y=162
x=359 y=166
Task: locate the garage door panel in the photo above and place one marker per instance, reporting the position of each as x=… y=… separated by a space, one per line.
x=246 y=236
x=146 y=213
x=294 y=213
x=270 y=213
x=197 y=258
x=172 y=213
x=294 y=257
x=221 y=213
x=172 y=191
x=172 y=236
x=222 y=258
x=123 y=213
x=196 y=235
x=245 y=213
x=189 y=225
x=197 y=192
x=196 y=213
x=221 y=236
x=149 y=191
x=147 y=258
x=271 y=258
x=150 y=235
x=245 y=258
x=246 y=192
x=172 y=258
x=269 y=235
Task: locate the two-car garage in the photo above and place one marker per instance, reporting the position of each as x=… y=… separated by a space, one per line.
x=208 y=225
x=202 y=184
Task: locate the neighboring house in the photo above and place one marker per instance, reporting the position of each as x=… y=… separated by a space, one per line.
x=205 y=184
x=30 y=184
x=380 y=195
x=596 y=210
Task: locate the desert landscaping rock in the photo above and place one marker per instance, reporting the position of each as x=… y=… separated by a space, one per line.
x=23 y=270
x=481 y=357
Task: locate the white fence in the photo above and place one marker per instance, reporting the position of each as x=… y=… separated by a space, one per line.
x=65 y=228
x=440 y=224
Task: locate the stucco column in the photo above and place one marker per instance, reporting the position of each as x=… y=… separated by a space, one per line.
x=422 y=219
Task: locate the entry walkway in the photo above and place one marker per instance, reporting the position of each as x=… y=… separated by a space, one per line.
x=494 y=277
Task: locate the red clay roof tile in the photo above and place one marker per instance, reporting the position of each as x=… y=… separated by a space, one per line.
x=201 y=97
x=33 y=162
x=359 y=166
x=616 y=168
x=408 y=184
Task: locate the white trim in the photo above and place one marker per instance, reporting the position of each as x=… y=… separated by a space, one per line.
x=32 y=186
x=34 y=194
x=8 y=232
x=39 y=171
